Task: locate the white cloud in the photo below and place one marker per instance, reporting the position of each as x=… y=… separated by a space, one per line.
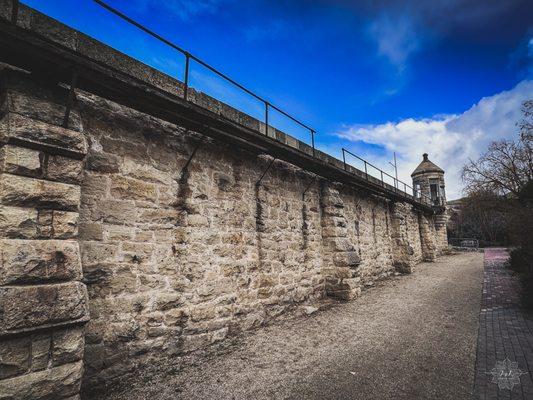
x=450 y=140
x=396 y=39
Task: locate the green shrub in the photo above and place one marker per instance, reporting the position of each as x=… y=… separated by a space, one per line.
x=522 y=263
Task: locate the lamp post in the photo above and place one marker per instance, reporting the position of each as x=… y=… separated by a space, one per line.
x=395 y=165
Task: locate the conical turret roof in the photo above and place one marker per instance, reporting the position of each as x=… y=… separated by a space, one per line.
x=426 y=166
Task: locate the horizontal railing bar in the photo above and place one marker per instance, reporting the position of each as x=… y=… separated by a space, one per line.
x=362 y=159
x=383 y=172
x=246 y=90
x=193 y=57
x=213 y=69
x=141 y=27
x=372 y=165
x=291 y=117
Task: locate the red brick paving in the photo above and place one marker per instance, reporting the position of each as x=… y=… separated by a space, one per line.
x=505 y=331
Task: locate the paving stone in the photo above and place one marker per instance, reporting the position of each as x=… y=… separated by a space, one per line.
x=505 y=332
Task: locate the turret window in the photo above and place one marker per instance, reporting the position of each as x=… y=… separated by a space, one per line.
x=434 y=189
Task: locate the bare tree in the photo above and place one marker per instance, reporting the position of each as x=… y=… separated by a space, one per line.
x=507 y=166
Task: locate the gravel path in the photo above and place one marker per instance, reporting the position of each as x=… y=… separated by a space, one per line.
x=410 y=337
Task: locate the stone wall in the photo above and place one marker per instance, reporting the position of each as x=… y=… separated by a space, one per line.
x=182 y=240
x=43 y=304
x=177 y=257
x=179 y=252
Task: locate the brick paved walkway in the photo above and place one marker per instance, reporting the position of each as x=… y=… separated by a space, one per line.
x=505 y=332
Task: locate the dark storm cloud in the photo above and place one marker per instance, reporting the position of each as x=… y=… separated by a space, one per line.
x=499 y=21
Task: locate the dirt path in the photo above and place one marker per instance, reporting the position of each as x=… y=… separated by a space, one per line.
x=411 y=337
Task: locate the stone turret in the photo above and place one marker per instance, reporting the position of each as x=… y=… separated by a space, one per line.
x=428 y=184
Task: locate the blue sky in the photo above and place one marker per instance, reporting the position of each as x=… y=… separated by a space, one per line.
x=444 y=77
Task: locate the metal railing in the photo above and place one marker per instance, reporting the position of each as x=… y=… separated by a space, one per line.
x=189 y=57
x=464 y=242
x=415 y=194
x=397 y=184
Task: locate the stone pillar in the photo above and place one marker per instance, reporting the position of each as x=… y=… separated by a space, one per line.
x=43 y=303
x=403 y=251
x=427 y=237
x=441 y=233
x=340 y=257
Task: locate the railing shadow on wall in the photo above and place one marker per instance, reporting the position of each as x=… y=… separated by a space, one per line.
x=370 y=170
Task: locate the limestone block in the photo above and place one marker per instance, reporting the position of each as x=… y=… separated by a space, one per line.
x=98 y=252
x=334 y=212
x=116 y=212
x=224 y=181
x=64 y=169
x=334 y=231
x=40 y=351
x=14 y=356
x=167 y=301
x=340 y=244
x=102 y=162
x=121 y=233
x=24 y=308
x=67 y=346
x=30 y=261
x=91 y=231
x=162 y=216
x=132 y=189
x=54 y=383
x=347 y=259
x=95 y=185
x=124 y=331
x=64 y=224
x=20 y=161
x=124 y=280
x=31 y=97
x=24 y=354
x=332 y=201
x=343 y=273
x=18 y=128
x=96 y=273
x=29 y=192
x=54 y=31
x=17 y=222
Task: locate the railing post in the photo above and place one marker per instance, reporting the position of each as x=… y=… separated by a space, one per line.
x=366 y=171
x=266 y=118
x=382 y=181
x=186 y=80
x=344 y=158
x=313 y=144
x=15 y=11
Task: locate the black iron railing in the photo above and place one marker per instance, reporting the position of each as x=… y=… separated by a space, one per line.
x=189 y=57
x=397 y=184
x=417 y=195
x=464 y=242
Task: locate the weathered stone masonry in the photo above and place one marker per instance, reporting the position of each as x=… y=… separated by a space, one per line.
x=170 y=238
x=43 y=304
